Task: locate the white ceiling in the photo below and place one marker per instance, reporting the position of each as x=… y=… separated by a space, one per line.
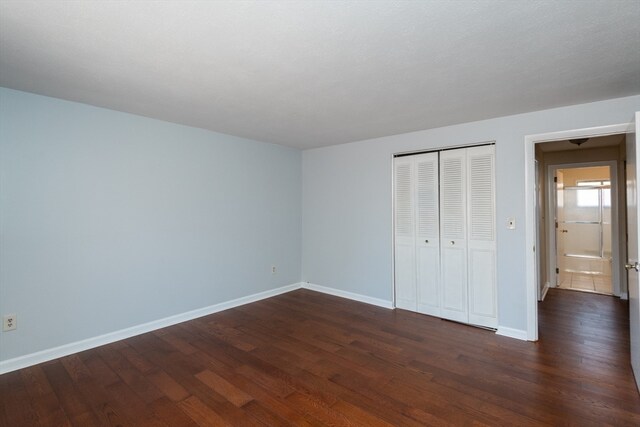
x=315 y=73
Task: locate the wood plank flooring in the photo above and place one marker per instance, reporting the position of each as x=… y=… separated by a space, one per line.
x=309 y=359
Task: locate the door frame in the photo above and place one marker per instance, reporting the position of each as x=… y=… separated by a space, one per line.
x=530 y=141
x=552 y=247
x=538 y=230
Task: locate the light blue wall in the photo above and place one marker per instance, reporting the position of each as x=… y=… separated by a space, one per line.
x=347 y=228
x=110 y=220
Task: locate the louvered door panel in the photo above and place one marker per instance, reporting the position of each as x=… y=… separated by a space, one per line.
x=427 y=195
x=482 y=241
x=452 y=194
x=481 y=193
x=428 y=233
x=453 y=245
x=404 y=215
x=404 y=224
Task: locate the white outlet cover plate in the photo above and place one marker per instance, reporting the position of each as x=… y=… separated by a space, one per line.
x=9 y=322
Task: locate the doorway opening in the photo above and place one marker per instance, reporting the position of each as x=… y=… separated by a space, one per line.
x=581 y=216
x=539 y=269
x=583 y=227
x=628 y=235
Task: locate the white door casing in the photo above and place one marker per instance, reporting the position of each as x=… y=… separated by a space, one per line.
x=618 y=229
x=559 y=220
x=529 y=165
x=539 y=277
x=633 y=230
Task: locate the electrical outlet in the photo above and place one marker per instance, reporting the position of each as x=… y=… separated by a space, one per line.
x=273 y=269
x=9 y=322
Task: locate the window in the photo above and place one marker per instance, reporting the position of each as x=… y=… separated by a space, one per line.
x=588 y=198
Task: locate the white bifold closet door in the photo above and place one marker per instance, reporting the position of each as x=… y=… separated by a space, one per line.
x=453 y=229
x=427 y=234
x=405 y=246
x=467 y=211
x=417 y=244
x=445 y=234
x=481 y=236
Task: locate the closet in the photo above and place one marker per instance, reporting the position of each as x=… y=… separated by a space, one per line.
x=444 y=226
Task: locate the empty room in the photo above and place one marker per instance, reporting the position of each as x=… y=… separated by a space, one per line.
x=309 y=213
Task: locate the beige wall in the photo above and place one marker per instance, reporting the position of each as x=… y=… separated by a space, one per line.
x=572 y=176
x=583 y=155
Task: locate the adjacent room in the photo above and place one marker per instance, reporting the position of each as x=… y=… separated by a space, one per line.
x=389 y=213
x=584 y=212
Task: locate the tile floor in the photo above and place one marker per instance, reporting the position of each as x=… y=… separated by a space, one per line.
x=586 y=282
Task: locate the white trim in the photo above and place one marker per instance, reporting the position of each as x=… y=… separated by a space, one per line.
x=530 y=217
x=545 y=289
x=538 y=223
x=550 y=226
x=349 y=295
x=624 y=295
x=518 y=334
x=393 y=232
x=86 y=344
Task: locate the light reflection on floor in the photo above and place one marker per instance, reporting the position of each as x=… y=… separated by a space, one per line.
x=586 y=282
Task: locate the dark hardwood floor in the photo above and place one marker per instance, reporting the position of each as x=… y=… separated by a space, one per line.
x=305 y=358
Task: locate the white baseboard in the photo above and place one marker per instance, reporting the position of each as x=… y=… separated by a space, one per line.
x=75 y=347
x=512 y=333
x=544 y=291
x=624 y=295
x=349 y=295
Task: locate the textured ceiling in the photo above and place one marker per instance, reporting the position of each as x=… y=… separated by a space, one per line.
x=308 y=74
